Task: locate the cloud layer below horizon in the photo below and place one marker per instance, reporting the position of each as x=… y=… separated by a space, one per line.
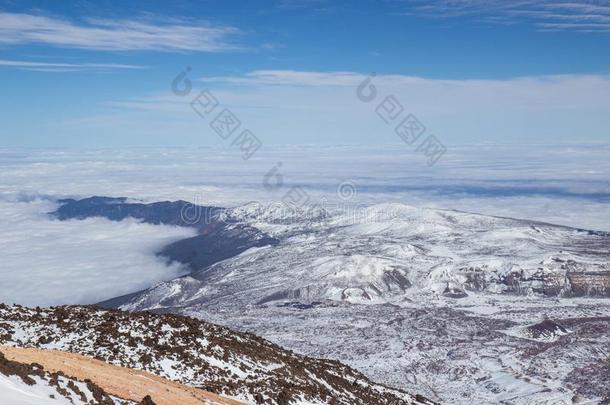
x=50 y=262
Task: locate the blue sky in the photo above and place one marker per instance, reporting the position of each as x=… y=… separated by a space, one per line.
x=98 y=74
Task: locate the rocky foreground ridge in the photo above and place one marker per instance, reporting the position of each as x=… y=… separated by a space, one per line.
x=216 y=359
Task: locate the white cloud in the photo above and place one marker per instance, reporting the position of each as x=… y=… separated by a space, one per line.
x=52 y=262
x=545 y=14
x=529 y=106
x=64 y=67
x=322 y=107
x=292 y=78
x=115 y=35
x=534 y=91
x=49 y=262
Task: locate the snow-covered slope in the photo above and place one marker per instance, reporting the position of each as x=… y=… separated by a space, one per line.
x=413 y=297
x=195 y=353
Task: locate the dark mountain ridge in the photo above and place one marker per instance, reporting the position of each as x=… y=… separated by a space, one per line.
x=218 y=239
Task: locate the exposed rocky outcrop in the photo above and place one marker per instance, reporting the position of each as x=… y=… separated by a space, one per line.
x=545 y=330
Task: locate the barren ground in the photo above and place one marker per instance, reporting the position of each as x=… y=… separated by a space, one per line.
x=118 y=381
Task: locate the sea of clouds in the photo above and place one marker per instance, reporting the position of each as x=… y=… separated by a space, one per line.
x=49 y=262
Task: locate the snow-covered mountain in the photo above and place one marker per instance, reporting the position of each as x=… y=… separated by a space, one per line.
x=195 y=353
x=463 y=307
x=420 y=298
x=392 y=254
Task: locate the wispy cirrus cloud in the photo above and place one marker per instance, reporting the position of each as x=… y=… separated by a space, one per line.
x=64 y=67
x=283 y=106
x=545 y=15
x=116 y=35
x=547 y=90
x=291 y=78
x=280 y=92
